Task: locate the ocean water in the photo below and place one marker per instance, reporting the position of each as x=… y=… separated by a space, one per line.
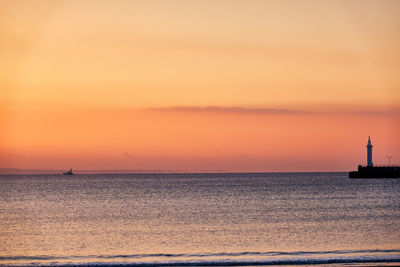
x=199 y=219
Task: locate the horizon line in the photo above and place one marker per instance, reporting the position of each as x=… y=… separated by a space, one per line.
x=6 y=171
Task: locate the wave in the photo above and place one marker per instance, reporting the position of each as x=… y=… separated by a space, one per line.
x=212 y=259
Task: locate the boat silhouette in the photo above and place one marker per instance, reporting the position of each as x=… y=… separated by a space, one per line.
x=68 y=172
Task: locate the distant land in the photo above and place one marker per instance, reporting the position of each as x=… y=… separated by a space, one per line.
x=104 y=171
x=127 y=171
x=77 y=171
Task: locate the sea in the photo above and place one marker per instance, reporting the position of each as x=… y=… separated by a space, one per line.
x=199 y=219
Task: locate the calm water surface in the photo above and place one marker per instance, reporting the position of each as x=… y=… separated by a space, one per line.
x=199 y=219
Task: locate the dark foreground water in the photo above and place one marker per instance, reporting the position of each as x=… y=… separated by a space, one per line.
x=199 y=219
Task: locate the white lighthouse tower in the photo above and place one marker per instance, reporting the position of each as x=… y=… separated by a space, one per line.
x=369 y=153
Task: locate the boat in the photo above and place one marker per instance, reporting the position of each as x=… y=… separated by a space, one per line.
x=68 y=172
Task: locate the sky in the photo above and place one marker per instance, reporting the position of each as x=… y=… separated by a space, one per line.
x=199 y=85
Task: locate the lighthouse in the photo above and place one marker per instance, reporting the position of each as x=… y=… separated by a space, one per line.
x=371 y=171
x=369 y=153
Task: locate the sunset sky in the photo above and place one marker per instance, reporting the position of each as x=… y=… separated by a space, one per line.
x=199 y=85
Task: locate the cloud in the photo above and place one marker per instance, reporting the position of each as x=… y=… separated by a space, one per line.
x=141 y=157
x=368 y=112
x=129 y=155
x=329 y=110
x=223 y=109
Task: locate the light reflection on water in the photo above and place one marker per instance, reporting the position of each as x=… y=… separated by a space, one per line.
x=109 y=218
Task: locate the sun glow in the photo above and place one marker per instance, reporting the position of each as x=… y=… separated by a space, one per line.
x=198 y=85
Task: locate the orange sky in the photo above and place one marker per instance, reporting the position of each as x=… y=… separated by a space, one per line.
x=199 y=85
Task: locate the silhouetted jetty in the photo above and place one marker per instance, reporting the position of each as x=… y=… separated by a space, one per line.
x=376 y=172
